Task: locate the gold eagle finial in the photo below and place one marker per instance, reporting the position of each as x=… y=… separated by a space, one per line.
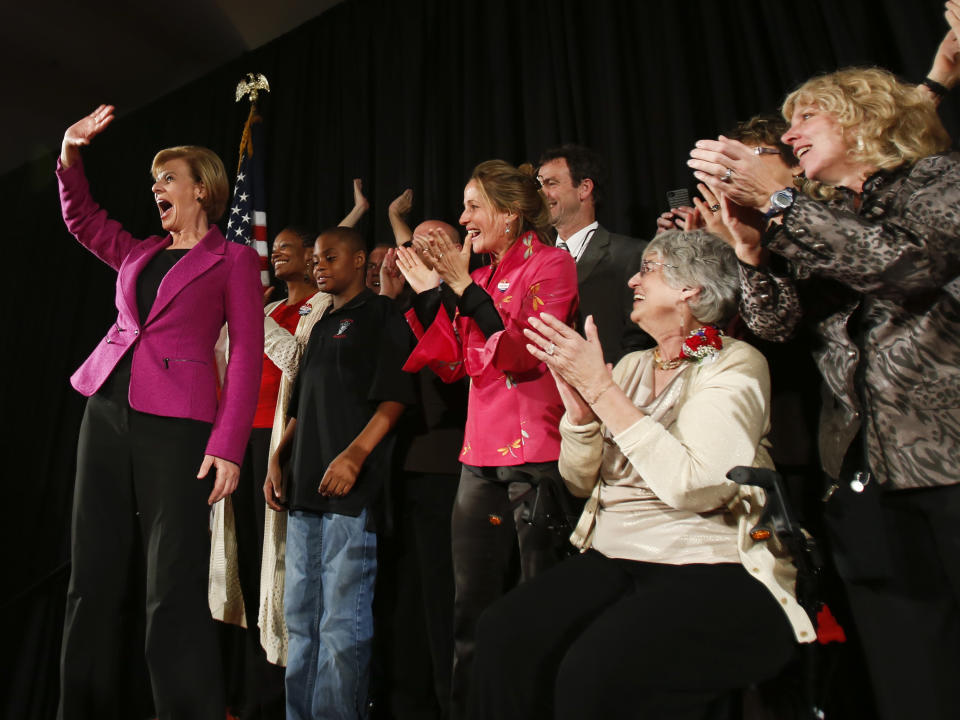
x=251 y=85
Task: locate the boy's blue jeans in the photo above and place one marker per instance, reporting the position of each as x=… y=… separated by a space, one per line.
x=331 y=566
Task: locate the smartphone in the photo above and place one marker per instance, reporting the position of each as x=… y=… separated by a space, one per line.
x=678 y=198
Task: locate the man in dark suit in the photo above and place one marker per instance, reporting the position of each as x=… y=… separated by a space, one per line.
x=572 y=177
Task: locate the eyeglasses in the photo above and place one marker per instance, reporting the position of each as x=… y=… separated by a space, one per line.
x=648 y=266
x=760 y=150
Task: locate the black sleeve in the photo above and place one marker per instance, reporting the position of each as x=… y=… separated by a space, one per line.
x=294 y=404
x=477 y=304
x=426 y=305
x=449 y=299
x=389 y=381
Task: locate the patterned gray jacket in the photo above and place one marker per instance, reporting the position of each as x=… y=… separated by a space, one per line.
x=876 y=278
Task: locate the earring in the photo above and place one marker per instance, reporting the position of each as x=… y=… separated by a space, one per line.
x=508 y=228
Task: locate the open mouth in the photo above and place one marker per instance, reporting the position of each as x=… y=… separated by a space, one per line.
x=164 y=206
x=801 y=151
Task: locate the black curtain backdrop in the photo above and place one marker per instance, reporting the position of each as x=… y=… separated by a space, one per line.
x=411 y=93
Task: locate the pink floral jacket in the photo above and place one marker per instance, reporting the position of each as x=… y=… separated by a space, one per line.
x=514 y=409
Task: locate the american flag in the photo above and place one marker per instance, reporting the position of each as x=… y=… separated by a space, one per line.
x=247 y=223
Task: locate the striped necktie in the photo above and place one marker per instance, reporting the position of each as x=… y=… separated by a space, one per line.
x=562 y=245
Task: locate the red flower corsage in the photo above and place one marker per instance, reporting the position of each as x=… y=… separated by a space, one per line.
x=702 y=344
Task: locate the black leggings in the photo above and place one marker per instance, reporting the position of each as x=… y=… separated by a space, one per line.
x=136 y=473
x=482 y=552
x=602 y=638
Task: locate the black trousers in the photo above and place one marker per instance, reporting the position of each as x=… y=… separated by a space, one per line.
x=136 y=474
x=422 y=605
x=601 y=638
x=486 y=532
x=262 y=691
x=899 y=557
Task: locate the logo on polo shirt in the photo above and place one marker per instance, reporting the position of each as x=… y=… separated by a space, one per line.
x=344 y=326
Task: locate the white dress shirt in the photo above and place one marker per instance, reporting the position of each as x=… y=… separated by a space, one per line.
x=577 y=243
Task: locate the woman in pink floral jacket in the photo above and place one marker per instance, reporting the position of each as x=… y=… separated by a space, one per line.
x=472 y=324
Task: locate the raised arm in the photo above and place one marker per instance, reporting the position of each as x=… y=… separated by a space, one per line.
x=86 y=220
x=360 y=205
x=769 y=303
x=397 y=214
x=945 y=70
x=900 y=255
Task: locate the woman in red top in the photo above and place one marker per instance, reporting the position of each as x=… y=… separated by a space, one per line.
x=472 y=324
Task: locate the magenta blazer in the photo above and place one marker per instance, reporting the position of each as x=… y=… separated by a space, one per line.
x=173 y=371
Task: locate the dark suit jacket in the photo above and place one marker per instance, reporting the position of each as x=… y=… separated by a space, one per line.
x=602 y=274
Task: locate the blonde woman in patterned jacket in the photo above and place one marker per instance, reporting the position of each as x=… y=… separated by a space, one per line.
x=873 y=269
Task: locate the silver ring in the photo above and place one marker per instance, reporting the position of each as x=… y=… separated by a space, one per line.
x=727 y=175
x=715 y=208
x=551 y=348
x=440 y=256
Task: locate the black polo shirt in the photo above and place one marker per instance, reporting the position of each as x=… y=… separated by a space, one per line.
x=352 y=363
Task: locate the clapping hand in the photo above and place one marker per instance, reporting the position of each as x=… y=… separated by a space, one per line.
x=402 y=204
x=729 y=167
x=683 y=217
x=576 y=363
x=450 y=261
x=360 y=202
x=709 y=208
x=391 y=279
x=420 y=277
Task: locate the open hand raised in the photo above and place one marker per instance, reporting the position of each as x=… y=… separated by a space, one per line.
x=83 y=131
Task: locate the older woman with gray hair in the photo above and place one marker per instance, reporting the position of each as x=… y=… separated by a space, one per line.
x=670 y=604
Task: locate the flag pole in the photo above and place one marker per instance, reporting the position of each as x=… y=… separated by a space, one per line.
x=247 y=223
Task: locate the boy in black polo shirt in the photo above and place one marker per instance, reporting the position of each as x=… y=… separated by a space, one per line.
x=349 y=394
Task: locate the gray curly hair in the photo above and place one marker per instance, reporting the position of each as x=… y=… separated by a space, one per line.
x=700 y=259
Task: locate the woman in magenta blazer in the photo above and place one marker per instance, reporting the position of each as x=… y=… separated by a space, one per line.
x=158 y=442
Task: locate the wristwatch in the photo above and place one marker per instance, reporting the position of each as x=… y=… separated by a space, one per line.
x=779 y=202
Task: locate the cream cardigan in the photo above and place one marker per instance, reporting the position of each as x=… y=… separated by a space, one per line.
x=224 y=596
x=658 y=491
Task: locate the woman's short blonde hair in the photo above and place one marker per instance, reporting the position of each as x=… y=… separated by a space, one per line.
x=207 y=169
x=514 y=190
x=886 y=123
